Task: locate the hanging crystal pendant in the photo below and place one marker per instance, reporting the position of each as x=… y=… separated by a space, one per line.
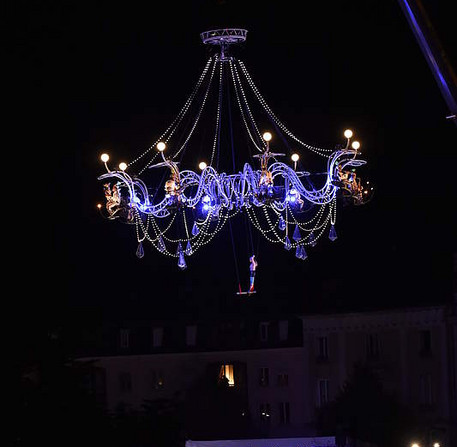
x=181 y=260
x=287 y=244
x=332 y=234
x=281 y=223
x=195 y=229
x=161 y=245
x=296 y=236
x=189 y=250
x=298 y=252
x=140 y=250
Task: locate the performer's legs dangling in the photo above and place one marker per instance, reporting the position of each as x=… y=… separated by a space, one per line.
x=252 y=277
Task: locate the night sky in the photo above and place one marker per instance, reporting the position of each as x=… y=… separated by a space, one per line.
x=108 y=76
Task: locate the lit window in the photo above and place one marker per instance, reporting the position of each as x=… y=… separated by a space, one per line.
x=264 y=376
x=226 y=373
x=124 y=338
x=322 y=392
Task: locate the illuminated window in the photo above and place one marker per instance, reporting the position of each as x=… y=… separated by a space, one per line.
x=226 y=373
x=124 y=340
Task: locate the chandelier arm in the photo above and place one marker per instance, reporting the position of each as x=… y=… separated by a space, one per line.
x=320 y=151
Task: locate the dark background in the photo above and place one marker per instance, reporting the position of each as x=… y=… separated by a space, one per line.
x=107 y=76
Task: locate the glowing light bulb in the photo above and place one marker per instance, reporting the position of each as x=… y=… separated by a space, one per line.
x=161 y=146
x=348 y=133
x=99 y=205
x=122 y=166
x=202 y=165
x=104 y=158
x=415 y=444
x=267 y=136
x=436 y=444
x=295 y=157
x=355 y=145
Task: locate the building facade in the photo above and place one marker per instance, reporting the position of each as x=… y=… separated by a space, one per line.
x=283 y=370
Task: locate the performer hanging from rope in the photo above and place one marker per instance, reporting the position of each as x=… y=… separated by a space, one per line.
x=252 y=266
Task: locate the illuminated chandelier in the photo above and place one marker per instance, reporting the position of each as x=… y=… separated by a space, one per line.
x=180 y=214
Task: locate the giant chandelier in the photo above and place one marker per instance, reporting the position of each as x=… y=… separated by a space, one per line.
x=180 y=210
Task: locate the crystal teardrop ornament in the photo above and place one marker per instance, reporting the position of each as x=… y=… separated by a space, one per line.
x=195 y=229
x=287 y=244
x=296 y=236
x=281 y=224
x=161 y=245
x=189 y=250
x=332 y=234
x=140 y=250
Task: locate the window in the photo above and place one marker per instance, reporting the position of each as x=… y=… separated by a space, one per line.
x=265 y=412
x=157 y=382
x=283 y=330
x=264 y=376
x=191 y=335
x=283 y=379
x=125 y=382
x=264 y=331
x=373 y=347
x=426 y=389
x=425 y=342
x=322 y=348
x=157 y=337
x=124 y=338
x=322 y=392
x=284 y=412
x=226 y=373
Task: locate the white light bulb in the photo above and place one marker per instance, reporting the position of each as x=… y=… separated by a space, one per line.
x=122 y=166
x=267 y=136
x=202 y=165
x=355 y=145
x=161 y=146
x=348 y=133
x=295 y=157
x=104 y=158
